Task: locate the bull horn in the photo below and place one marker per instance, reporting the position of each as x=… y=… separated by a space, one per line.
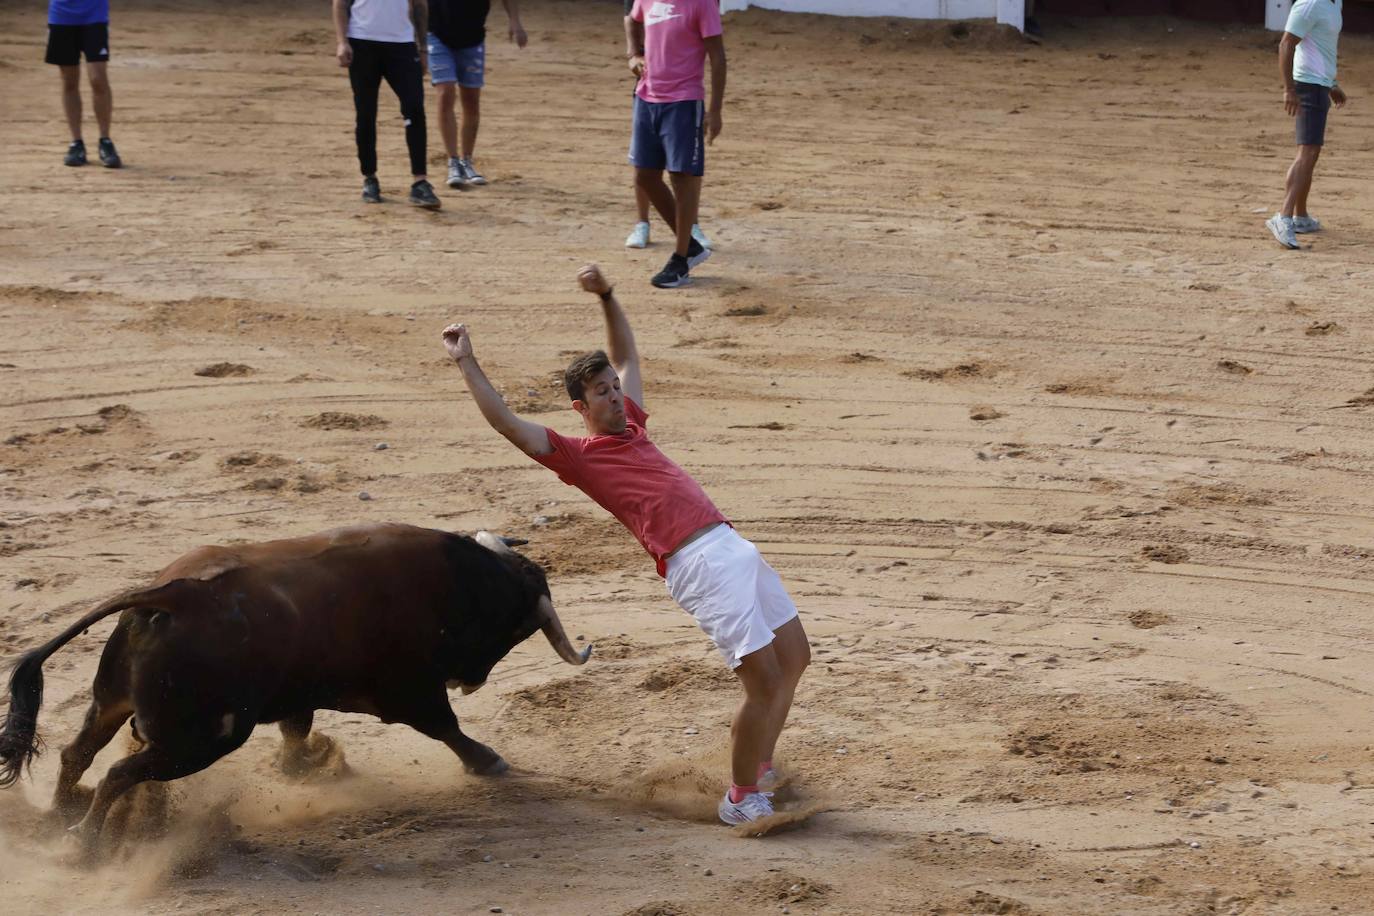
x=513 y=542
x=495 y=543
x=553 y=630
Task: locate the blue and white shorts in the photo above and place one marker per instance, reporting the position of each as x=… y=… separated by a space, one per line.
x=669 y=135
x=464 y=66
x=735 y=596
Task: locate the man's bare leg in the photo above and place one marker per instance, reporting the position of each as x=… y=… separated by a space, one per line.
x=687 y=191
x=472 y=117
x=446 y=96
x=752 y=732
x=650 y=181
x=793 y=653
x=102 y=98
x=641 y=203
x=1299 y=182
x=71 y=98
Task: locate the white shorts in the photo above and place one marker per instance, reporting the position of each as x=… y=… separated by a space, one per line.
x=735 y=596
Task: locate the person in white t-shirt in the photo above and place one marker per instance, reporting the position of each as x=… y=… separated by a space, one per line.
x=1307 y=63
x=385 y=39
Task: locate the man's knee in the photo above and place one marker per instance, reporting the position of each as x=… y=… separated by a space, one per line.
x=648 y=178
x=1308 y=153
x=71 y=77
x=446 y=93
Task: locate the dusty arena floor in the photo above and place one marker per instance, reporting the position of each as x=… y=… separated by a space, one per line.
x=1067 y=464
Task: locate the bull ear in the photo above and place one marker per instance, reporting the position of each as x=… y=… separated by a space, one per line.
x=493 y=543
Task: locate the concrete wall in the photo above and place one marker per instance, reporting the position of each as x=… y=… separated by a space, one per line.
x=1012 y=12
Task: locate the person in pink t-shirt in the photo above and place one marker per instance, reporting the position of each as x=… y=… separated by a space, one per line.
x=713 y=573
x=669 y=44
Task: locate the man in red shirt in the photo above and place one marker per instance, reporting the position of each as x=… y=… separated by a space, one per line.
x=712 y=572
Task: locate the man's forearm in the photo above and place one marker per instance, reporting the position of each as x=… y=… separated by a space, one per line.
x=634 y=37
x=419 y=14
x=1286 y=54
x=620 y=340
x=489 y=400
x=718 y=81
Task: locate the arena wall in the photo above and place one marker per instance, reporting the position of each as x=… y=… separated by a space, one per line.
x=1011 y=12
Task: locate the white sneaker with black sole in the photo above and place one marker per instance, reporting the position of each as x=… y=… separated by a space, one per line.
x=455 y=173
x=1303 y=224
x=470 y=173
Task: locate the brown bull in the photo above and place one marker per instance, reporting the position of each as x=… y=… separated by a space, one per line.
x=376 y=619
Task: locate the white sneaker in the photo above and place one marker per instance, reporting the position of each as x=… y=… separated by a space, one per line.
x=470 y=173
x=638 y=237
x=1282 y=228
x=456 y=178
x=1306 y=224
x=700 y=236
x=752 y=807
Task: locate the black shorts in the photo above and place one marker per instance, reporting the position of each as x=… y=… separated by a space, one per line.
x=66 y=44
x=1314 y=102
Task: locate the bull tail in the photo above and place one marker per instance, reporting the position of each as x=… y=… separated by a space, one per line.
x=19 y=741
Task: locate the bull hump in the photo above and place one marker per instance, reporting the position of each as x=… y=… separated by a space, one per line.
x=206 y=563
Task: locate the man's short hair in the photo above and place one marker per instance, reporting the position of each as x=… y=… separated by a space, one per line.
x=583 y=369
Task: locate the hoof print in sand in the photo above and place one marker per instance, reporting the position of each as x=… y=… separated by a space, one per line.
x=225 y=370
x=1164 y=553
x=333 y=419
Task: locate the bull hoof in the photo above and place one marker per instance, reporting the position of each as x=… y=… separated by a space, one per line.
x=494 y=767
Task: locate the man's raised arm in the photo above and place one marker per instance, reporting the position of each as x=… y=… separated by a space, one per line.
x=530 y=438
x=620 y=340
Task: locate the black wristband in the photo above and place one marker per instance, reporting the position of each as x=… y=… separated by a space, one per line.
x=606 y=296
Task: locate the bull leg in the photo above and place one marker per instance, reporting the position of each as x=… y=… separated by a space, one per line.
x=153 y=762
x=303 y=751
x=102 y=722
x=442 y=725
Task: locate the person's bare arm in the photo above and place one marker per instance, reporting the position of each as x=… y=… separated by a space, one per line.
x=530 y=438
x=620 y=340
x=517 y=29
x=715 y=50
x=634 y=45
x=1288 y=46
x=345 y=50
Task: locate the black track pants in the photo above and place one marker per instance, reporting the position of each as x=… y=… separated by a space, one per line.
x=399 y=64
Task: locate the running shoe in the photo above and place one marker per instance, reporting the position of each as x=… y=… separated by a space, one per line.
x=470 y=173
x=1282 y=228
x=752 y=807
x=422 y=195
x=109 y=157
x=1303 y=224
x=638 y=237
x=673 y=274
x=696 y=253
x=456 y=179
x=372 y=191
x=700 y=237
x=76 y=154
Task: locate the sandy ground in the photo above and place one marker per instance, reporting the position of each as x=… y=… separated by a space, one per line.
x=1066 y=463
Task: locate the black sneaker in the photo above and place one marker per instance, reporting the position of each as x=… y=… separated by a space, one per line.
x=76 y=154
x=696 y=253
x=673 y=274
x=422 y=195
x=108 y=156
x=372 y=191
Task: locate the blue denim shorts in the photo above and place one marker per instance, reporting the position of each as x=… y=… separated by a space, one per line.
x=669 y=135
x=465 y=66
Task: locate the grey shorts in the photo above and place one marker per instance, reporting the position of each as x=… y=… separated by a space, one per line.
x=1314 y=102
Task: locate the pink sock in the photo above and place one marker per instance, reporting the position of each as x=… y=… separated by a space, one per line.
x=737 y=793
x=765 y=766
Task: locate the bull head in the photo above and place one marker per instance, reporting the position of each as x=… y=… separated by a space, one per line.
x=548 y=617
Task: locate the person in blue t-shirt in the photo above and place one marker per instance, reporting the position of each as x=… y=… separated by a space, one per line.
x=77 y=27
